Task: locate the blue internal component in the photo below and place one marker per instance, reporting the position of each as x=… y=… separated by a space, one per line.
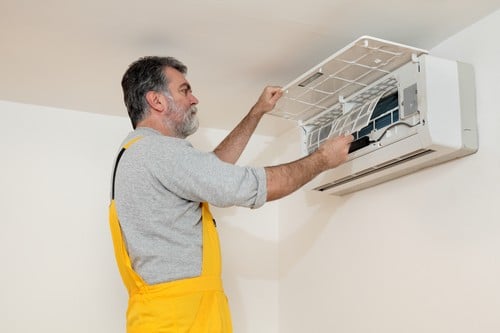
x=386 y=112
x=384 y=104
x=383 y=121
x=395 y=115
x=366 y=130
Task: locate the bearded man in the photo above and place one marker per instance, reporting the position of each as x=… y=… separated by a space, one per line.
x=164 y=236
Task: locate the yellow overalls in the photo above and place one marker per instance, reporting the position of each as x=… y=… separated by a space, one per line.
x=195 y=305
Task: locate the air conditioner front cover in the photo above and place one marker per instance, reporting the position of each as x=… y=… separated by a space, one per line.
x=344 y=73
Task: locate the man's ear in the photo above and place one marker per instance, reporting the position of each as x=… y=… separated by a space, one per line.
x=157 y=101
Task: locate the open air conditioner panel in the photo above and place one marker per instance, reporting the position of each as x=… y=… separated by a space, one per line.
x=346 y=72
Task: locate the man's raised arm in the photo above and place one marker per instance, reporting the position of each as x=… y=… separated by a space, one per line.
x=230 y=149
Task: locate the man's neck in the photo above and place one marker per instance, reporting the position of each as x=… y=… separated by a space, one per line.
x=156 y=125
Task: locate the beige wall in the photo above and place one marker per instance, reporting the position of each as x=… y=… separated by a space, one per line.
x=418 y=254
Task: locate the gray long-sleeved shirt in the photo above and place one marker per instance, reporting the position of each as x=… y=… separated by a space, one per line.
x=159 y=184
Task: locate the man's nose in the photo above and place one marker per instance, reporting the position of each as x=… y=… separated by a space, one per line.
x=193 y=99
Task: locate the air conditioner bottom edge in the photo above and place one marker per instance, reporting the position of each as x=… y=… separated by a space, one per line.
x=346 y=178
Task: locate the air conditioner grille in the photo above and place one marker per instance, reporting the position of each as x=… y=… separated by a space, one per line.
x=340 y=76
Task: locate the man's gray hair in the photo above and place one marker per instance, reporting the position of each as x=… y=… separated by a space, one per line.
x=144 y=75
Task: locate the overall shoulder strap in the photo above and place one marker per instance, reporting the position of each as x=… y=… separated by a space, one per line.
x=124 y=147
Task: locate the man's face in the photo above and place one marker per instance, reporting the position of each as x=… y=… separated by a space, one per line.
x=183 y=121
x=182 y=105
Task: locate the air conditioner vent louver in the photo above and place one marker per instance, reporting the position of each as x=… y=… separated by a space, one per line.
x=377 y=168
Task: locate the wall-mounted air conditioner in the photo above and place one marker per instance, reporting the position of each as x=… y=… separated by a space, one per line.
x=406 y=109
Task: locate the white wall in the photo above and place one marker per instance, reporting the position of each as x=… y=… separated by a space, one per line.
x=418 y=254
x=58 y=270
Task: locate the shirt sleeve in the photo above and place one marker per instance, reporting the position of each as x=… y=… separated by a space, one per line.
x=200 y=176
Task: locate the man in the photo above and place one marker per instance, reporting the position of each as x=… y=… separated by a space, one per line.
x=165 y=240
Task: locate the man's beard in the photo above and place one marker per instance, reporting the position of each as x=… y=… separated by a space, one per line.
x=189 y=121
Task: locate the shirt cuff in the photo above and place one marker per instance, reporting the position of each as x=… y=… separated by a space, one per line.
x=261 y=197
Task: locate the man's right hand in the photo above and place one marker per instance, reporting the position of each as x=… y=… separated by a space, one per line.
x=335 y=150
x=267 y=100
x=286 y=178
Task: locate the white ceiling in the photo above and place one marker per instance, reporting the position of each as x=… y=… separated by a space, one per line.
x=72 y=54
